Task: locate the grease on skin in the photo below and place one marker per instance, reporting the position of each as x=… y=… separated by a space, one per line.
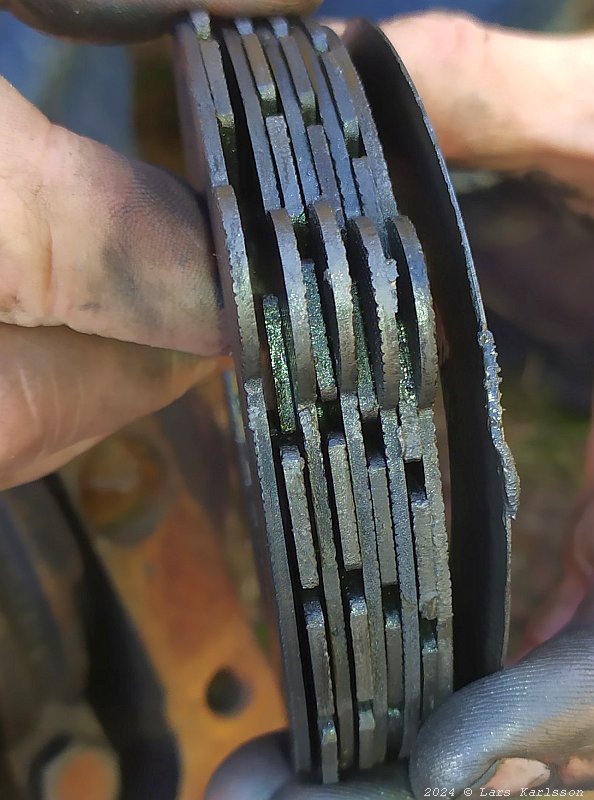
x=524 y=712
x=157 y=217
x=71 y=202
x=261 y=769
x=57 y=391
x=146 y=272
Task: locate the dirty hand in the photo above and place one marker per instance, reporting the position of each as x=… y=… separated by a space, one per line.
x=106 y=267
x=531 y=725
x=504 y=100
x=521 y=104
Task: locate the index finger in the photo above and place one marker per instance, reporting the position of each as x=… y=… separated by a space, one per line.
x=505 y=100
x=133 y=20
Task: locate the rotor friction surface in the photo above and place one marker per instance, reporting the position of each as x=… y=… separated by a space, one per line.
x=406 y=579
x=304 y=380
x=330 y=578
x=293 y=466
x=210 y=168
x=316 y=633
x=264 y=465
x=344 y=71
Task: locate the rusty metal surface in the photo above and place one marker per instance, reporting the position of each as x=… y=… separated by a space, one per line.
x=49 y=730
x=219 y=688
x=120 y=677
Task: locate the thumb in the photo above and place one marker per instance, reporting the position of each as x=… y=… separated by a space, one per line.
x=255 y=772
x=98 y=243
x=540 y=710
x=261 y=771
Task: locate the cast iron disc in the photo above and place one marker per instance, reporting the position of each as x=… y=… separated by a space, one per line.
x=349 y=294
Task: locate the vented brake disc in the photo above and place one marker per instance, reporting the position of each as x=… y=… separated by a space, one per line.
x=349 y=293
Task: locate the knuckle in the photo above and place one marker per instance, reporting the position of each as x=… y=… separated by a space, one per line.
x=453 y=35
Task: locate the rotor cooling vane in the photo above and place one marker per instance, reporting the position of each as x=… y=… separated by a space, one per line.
x=349 y=293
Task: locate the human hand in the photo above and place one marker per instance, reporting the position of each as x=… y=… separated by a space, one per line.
x=530 y=725
x=106 y=266
x=261 y=771
x=485 y=91
x=504 y=100
x=133 y=20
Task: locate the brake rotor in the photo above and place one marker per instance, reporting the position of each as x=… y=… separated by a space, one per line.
x=349 y=293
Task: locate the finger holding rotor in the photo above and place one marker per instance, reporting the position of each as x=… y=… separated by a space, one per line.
x=134 y=20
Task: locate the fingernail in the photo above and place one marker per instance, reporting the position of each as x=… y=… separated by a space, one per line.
x=515 y=774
